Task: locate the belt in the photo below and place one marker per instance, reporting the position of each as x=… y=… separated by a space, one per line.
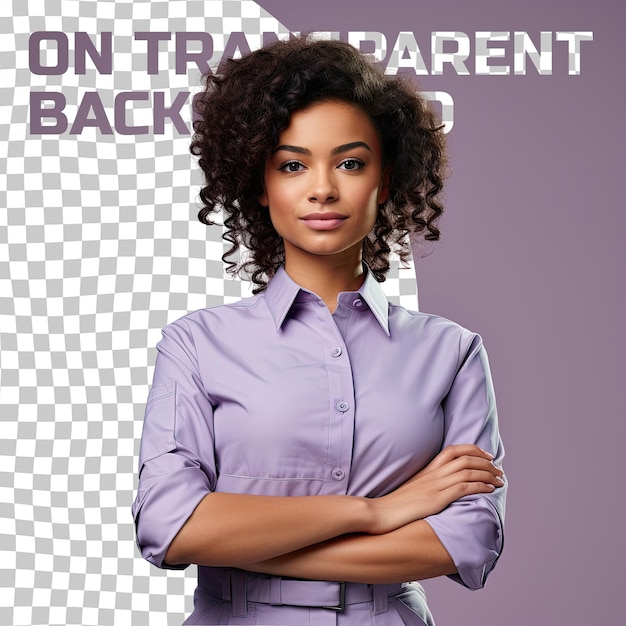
x=240 y=587
x=311 y=593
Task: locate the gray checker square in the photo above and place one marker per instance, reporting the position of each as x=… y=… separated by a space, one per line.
x=99 y=249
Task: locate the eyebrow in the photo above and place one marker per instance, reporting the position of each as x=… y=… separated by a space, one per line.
x=338 y=150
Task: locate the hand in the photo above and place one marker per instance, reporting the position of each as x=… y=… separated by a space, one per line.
x=457 y=471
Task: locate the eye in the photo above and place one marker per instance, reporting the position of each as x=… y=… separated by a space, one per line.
x=291 y=166
x=351 y=164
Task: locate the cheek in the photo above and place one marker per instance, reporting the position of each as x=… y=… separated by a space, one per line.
x=276 y=193
x=375 y=198
x=375 y=189
x=270 y=187
x=277 y=217
x=373 y=202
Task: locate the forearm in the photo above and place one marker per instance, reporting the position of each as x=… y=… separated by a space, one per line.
x=412 y=552
x=233 y=529
x=236 y=529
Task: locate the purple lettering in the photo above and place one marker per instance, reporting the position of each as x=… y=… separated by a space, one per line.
x=103 y=60
x=161 y=112
x=34 y=53
x=201 y=59
x=91 y=102
x=237 y=42
x=153 y=40
x=38 y=112
x=120 y=112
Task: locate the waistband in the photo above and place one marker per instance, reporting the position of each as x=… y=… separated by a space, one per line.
x=240 y=587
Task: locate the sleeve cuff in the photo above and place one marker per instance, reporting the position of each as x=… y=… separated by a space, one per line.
x=475 y=550
x=162 y=509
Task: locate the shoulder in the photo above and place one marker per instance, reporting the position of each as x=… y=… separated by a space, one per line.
x=433 y=330
x=214 y=314
x=222 y=320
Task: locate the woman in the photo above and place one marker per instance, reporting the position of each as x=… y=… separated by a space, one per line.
x=312 y=448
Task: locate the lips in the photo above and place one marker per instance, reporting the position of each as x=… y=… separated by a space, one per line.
x=324 y=221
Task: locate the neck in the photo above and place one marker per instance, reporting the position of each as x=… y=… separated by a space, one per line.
x=327 y=276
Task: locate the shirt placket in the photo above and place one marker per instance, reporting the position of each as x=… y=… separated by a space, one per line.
x=341 y=403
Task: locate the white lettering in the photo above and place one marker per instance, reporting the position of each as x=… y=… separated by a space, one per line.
x=523 y=46
x=406 y=53
x=484 y=53
x=447 y=107
x=573 y=47
x=379 y=40
x=456 y=59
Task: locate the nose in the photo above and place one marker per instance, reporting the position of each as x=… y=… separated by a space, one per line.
x=323 y=188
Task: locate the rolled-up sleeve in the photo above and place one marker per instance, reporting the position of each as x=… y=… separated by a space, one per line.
x=176 y=456
x=471 y=528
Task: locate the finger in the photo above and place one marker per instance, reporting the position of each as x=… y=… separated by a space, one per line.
x=451 y=490
x=465 y=462
x=460 y=490
x=477 y=476
x=465 y=449
x=472 y=481
x=463 y=476
x=450 y=453
x=473 y=462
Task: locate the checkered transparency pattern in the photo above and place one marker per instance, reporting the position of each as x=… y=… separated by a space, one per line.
x=99 y=249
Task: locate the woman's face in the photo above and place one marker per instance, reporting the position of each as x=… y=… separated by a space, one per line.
x=324 y=181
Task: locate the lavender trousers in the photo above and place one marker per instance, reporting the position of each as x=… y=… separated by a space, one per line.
x=231 y=596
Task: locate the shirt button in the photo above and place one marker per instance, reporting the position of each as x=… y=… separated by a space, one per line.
x=357 y=303
x=336 y=352
x=338 y=473
x=342 y=406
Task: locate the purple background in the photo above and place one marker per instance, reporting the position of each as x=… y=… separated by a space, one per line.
x=532 y=258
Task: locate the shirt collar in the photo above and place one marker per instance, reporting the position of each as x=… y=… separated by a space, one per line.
x=282 y=292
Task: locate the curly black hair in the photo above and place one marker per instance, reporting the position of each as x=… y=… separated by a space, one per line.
x=247 y=103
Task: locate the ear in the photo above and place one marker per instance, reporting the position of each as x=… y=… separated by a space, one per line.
x=385 y=180
x=263 y=199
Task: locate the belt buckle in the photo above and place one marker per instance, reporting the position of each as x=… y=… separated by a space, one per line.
x=342 y=599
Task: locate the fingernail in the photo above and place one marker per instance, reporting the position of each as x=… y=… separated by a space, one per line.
x=488 y=453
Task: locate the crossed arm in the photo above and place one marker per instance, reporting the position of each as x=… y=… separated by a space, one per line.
x=458 y=497
x=373 y=540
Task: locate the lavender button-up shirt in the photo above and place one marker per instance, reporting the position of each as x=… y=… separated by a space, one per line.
x=274 y=395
